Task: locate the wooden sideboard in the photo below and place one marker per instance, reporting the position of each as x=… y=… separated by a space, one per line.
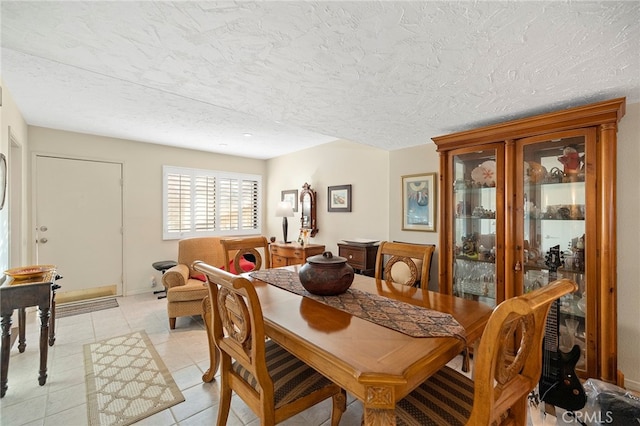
x=285 y=254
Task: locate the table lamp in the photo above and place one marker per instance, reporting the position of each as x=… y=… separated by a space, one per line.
x=284 y=210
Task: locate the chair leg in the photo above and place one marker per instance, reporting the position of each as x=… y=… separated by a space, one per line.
x=339 y=407
x=224 y=405
x=519 y=411
x=172 y=323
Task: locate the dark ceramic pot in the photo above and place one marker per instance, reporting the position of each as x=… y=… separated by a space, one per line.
x=326 y=274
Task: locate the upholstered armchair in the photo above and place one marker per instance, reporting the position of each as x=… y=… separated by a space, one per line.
x=185 y=287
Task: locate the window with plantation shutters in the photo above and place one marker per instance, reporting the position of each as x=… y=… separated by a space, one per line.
x=207 y=202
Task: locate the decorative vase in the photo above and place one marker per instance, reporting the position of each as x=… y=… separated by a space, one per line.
x=326 y=274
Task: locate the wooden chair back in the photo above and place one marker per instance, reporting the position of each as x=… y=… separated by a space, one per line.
x=238 y=247
x=236 y=326
x=391 y=253
x=503 y=382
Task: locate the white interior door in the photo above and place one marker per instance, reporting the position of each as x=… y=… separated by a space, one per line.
x=79 y=221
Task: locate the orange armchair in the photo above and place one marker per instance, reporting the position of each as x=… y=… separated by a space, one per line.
x=186 y=287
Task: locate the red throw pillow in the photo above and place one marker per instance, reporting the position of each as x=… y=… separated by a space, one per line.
x=245 y=265
x=201 y=277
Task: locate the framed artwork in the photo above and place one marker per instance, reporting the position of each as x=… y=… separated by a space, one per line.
x=419 y=202
x=291 y=196
x=339 y=198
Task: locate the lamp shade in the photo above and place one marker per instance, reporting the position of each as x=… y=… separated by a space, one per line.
x=285 y=209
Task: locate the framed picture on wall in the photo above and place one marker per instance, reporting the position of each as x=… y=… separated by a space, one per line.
x=419 y=202
x=339 y=198
x=291 y=196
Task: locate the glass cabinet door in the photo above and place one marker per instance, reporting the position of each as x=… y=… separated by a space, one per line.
x=555 y=231
x=475 y=177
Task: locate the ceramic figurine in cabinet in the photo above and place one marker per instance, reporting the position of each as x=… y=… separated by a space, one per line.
x=572 y=161
x=469 y=246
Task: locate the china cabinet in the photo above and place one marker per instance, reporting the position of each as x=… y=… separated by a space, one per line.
x=516 y=192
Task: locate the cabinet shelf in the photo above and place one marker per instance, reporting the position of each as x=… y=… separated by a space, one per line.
x=471 y=259
x=537 y=267
x=543 y=219
x=474 y=218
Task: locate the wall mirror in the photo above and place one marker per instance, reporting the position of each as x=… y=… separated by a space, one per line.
x=308 y=208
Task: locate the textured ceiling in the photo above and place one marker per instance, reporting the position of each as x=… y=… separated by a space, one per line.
x=297 y=74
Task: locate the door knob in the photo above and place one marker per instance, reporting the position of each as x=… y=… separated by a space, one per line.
x=43 y=228
x=43 y=240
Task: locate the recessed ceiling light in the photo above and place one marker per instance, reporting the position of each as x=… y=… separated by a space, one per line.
x=247 y=135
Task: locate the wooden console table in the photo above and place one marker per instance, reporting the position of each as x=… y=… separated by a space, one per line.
x=286 y=254
x=20 y=294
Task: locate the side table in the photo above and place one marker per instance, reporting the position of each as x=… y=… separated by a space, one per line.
x=20 y=294
x=361 y=257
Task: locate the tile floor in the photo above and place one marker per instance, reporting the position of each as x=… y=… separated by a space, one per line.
x=62 y=400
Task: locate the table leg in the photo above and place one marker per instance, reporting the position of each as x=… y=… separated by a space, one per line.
x=379 y=406
x=52 y=322
x=44 y=347
x=4 y=356
x=377 y=416
x=22 y=320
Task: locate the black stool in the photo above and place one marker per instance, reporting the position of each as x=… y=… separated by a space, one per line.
x=163 y=266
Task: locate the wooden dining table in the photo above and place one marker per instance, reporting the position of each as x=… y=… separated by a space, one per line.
x=376 y=364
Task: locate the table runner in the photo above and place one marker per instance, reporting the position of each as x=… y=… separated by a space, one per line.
x=412 y=320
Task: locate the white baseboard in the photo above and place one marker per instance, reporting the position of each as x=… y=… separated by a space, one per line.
x=632 y=385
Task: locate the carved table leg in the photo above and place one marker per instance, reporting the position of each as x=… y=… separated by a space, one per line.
x=44 y=347
x=379 y=417
x=22 y=321
x=379 y=406
x=4 y=361
x=214 y=356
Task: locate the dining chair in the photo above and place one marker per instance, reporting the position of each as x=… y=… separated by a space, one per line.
x=272 y=382
x=236 y=251
x=404 y=263
x=498 y=394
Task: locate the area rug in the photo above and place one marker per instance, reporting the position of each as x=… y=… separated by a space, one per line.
x=126 y=380
x=85 y=306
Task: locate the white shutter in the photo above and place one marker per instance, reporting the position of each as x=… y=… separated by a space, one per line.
x=178 y=204
x=249 y=204
x=206 y=202
x=228 y=204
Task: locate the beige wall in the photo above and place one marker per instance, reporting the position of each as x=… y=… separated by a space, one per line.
x=628 y=208
x=12 y=227
x=420 y=159
x=336 y=163
x=142 y=190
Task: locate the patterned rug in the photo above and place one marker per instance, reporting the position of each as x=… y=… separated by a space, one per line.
x=84 y=307
x=126 y=380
